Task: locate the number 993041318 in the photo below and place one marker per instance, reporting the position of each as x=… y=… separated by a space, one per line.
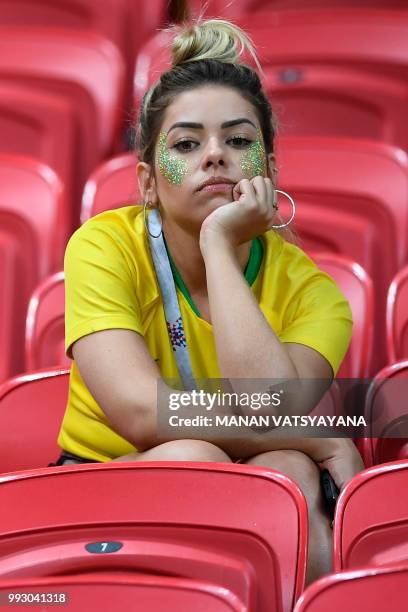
x=34 y=598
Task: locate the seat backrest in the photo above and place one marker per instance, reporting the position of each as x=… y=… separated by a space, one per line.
x=76 y=64
x=346 y=193
x=31 y=410
x=365 y=590
x=360 y=178
x=397 y=317
x=45 y=329
x=124 y=22
x=64 y=56
x=32 y=201
x=386 y=415
x=41 y=125
x=112 y=591
x=112 y=185
x=371 y=521
x=344 y=73
x=237 y=526
x=357 y=287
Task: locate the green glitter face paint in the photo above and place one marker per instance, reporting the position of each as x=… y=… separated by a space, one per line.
x=172 y=168
x=253 y=161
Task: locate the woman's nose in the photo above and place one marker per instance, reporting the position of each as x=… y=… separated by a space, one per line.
x=214 y=154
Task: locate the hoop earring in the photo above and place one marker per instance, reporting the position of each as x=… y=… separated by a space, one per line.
x=275 y=206
x=146 y=221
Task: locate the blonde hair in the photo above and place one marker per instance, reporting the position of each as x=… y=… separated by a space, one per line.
x=213 y=39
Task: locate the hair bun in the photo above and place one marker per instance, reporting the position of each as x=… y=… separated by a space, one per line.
x=213 y=39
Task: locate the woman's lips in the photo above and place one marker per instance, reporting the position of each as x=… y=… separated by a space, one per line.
x=218 y=187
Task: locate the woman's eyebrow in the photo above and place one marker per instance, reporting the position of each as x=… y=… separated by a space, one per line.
x=186 y=124
x=233 y=122
x=200 y=126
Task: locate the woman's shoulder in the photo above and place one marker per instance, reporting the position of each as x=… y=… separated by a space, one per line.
x=294 y=277
x=287 y=258
x=125 y=222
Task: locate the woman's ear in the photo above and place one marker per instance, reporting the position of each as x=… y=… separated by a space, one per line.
x=147 y=184
x=272 y=169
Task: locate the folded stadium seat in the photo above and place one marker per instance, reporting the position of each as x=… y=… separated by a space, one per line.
x=357 y=286
x=45 y=329
x=31 y=410
x=109 y=592
x=336 y=73
x=76 y=64
x=371 y=520
x=352 y=200
x=386 y=415
x=124 y=22
x=239 y=8
x=339 y=72
x=32 y=238
x=112 y=185
x=239 y=527
x=366 y=590
x=42 y=125
x=397 y=317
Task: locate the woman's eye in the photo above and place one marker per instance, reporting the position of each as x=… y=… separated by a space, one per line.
x=183 y=146
x=240 y=142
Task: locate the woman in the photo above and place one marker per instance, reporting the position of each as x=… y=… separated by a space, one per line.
x=252 y=306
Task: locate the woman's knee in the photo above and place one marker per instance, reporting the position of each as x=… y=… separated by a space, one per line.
x=298 y=466
x=181 y=450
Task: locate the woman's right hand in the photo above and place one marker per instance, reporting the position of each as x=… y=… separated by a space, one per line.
x=249 y=215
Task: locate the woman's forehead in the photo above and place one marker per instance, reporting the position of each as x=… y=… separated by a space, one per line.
x=209 y=105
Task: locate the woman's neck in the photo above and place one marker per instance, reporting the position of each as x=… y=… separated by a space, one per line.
x=185 y=251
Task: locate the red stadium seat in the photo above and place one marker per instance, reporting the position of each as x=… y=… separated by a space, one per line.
x=336 y=73
x=387 y=416
x=357 y=286
x=168 y=518
x=31 y=410
x=109 y=592
x=45 y=330
x=242 y=8
x=112 y=185
x=371 y=520
x=32 y=239
x=124 y=22
x=397 y=317
x=327 y=73
x=351 y=198
x=41 y=125
x=365 y=590
x=78 y=65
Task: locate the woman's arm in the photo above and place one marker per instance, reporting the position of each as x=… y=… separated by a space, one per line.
x=121 y=375
x=123 y=378
x=247 y=346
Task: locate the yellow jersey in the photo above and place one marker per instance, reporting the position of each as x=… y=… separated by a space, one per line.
x=110 y=282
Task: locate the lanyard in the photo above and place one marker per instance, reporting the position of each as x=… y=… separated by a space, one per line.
x=171 y=305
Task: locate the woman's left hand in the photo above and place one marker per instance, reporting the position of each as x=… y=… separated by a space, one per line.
x=249 y=215
x=344 y=462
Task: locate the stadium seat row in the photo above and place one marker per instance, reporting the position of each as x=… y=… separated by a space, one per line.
x=328 y=73
x=158 y=522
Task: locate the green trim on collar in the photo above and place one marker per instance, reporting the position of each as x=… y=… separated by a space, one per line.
x=254 y=261
x=251 y=271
